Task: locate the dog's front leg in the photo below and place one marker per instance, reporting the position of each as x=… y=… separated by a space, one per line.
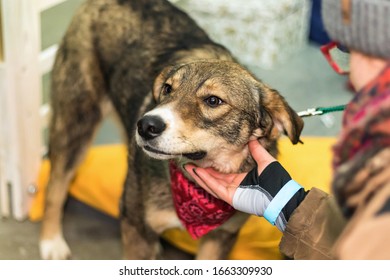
x=140 y=242
x=52 y=242
x=217 y=244
x=137 y=243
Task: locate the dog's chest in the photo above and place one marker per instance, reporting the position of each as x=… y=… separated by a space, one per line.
x=197 y=210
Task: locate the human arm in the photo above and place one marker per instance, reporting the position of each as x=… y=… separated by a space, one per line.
x=314 y=221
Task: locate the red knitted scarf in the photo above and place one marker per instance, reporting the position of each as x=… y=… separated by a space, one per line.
x=198 y=211
x=366 y=120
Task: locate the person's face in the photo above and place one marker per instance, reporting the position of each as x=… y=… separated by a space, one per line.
x=361 y=68
x=364 y=68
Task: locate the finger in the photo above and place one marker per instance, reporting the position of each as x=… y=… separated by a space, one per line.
x=222 y=179
x=216 y=186
x=189 y=166
x=190 y=169
x=260 y=155
x=227 y=178
x=258 y=152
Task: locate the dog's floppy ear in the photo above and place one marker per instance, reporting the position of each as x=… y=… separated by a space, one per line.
x=278 y=115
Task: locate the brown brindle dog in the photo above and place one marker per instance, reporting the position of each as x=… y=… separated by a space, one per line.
x=178 y=95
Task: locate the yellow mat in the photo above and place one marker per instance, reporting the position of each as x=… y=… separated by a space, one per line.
x=99 y=181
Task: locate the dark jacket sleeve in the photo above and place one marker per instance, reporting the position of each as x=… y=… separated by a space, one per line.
x=313 y=228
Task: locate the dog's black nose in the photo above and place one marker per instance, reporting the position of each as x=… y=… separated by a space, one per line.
x=150 y=127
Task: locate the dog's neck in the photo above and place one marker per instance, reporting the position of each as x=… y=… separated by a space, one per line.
x=224 y=162
x=228 y=161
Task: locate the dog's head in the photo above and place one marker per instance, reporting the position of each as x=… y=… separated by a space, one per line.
x=208 y=111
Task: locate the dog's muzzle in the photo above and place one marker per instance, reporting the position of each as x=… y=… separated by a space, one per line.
x=149 y=127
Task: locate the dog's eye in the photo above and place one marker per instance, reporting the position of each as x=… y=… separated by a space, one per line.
x=213 y=101
x=166 y=89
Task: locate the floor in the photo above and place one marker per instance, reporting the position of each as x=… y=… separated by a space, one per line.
x=305 y=80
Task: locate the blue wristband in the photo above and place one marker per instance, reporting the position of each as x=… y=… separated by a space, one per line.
x=280 y=200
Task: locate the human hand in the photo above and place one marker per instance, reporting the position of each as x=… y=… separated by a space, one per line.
x=267 y=190
x=223 y=186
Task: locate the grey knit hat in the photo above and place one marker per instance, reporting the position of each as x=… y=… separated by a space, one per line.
x=362 y=25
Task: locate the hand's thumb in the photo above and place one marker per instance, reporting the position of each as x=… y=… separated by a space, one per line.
x=259 y=153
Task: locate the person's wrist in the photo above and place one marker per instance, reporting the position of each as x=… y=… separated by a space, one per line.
x=269 y=194
x=256 y=192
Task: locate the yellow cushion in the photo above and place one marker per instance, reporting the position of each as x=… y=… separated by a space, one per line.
x=100 y=177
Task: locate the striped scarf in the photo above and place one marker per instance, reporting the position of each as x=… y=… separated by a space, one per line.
x=366 y=130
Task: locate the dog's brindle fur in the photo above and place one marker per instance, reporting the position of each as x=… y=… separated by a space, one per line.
x=114 y=55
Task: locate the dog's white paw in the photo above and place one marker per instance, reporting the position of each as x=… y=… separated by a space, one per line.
x=54 y=249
